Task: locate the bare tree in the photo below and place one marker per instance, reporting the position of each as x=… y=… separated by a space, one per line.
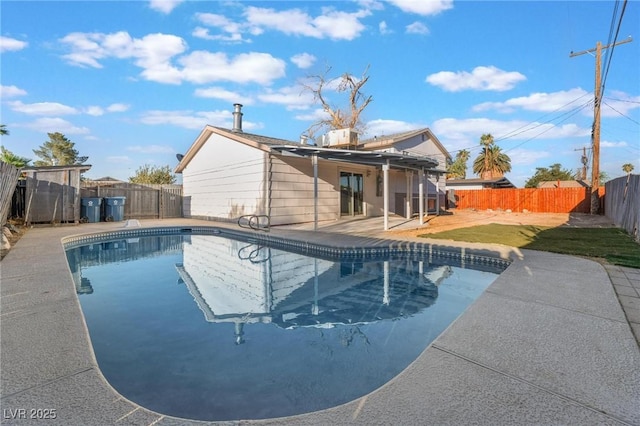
x=339 y=117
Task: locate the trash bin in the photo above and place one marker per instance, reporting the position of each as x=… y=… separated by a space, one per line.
x=114 y=209
x=90 y=209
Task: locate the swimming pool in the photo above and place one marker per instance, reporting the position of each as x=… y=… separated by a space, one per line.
x=213 y=328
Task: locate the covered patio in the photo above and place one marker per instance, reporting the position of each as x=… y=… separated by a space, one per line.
x=423 y=166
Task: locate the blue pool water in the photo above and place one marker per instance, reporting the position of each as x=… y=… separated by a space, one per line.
x=210 y=328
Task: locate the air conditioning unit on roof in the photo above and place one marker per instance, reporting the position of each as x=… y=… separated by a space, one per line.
x=340 y=138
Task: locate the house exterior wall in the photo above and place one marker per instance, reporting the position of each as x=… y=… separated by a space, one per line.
x=225 y=180
x=291 y=189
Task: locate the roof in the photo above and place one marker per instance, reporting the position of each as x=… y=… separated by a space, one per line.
x=501 y=182
x=81 y=167
x=380 y=142
x=401 y=161
x=563 y=184
x=286 y=147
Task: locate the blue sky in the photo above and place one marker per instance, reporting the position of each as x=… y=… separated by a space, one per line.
x=134 y=82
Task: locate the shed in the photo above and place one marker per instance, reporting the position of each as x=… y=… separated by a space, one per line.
x=53 y=193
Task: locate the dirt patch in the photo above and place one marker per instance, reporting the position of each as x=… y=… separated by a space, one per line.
x=455 y=219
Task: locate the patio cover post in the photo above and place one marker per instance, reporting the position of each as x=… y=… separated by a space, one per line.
x=421 y=196
x=409 y=199
x=385 y=190
x=437 y=194
x=314 y=162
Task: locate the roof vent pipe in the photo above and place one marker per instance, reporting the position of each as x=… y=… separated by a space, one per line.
x=237 y=118
x=303 y=139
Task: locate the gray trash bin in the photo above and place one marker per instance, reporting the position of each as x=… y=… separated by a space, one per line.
x=114 y=209
x=90 y=209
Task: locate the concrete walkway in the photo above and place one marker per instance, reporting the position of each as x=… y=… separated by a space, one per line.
x=547 y=343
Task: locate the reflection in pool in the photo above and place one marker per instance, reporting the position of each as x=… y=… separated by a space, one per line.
x=209 y=328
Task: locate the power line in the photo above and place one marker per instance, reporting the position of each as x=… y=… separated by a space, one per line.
x=622 y=114
x=609 y=55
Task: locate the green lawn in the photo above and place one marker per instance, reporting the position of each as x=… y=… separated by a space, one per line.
x=612 y=244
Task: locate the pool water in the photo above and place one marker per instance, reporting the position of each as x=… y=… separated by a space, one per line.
x=210 y=328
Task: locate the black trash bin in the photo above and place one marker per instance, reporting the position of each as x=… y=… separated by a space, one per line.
x=90 y=209
x=114 y=209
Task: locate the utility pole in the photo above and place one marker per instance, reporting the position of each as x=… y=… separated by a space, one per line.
x=584 y=160
x=595 y=131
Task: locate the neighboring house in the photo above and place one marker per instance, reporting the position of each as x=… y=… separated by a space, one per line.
x=228 y=173
x=563 y=184
x=496 y=183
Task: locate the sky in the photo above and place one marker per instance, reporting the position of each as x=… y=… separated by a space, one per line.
x=133 y=83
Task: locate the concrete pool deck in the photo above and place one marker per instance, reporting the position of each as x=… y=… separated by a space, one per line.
x=547 y=343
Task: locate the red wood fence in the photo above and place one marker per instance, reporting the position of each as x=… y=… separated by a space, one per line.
x=539 y=200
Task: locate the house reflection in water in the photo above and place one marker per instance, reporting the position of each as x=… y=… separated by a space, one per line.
x=243 y=283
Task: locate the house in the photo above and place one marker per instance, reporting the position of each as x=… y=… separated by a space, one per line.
x=229 y=173
x=495 y=183
x=563 y=184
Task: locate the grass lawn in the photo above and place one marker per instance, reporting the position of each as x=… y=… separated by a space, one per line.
x=612 y=244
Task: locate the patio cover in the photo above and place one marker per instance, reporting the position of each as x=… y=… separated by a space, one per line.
x=384 y=159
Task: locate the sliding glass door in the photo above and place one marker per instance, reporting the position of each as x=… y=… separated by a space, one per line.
x=351 y=194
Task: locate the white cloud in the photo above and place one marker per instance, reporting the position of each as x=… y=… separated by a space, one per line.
x=384 y=28
x=223 y=94
x=523 y=157
x=164 y=6
x=616 y=103
x=193 y=119
x=11 y=91
x=387 y=127
x=94 y=110
x=294 y=97
x=481 y=78
x=563 y=100
x=118 y=159
x=49 y=125
x=417 y=28
x=151 y=149
x=118 y=107
x=423 y=7
x=203 y=33
x=8 y=44
x=607 y=144
x=303 y=60
x=469 y=130
x=42 y=108
x=313 y=116
x=253 y=67
x=154 y=54
x=333 y=24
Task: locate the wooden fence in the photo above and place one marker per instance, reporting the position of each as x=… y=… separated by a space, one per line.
x=142 y=201
x=538 y=200
x=8 y=178
x=622 y=203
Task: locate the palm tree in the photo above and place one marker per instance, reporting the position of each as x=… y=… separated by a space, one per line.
x=491 y=162
x=3 y=129
x=13 y=159
x=627 y=168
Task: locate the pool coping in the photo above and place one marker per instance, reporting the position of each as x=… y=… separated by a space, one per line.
x=529 y=350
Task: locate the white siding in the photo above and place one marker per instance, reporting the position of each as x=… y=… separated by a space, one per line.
x=231 y=284
x=225 y=180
